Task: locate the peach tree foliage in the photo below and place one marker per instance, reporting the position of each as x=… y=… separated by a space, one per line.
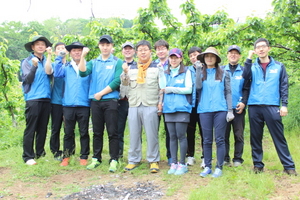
x=11 y=98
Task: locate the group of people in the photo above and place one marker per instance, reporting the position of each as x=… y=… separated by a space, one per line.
x=141 y=90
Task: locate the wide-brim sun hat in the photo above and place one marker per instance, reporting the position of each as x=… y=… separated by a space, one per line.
x=37 y=38
x=212 y=50
x=74 y=45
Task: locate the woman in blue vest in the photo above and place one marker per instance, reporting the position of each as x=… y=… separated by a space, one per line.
x=177 y=107
x=214 y=107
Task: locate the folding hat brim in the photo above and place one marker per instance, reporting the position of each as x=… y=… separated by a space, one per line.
x=70 y=47
x=201 y=56
x=28 y=45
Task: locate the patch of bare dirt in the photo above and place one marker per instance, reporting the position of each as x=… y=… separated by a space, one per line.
x=154 y=186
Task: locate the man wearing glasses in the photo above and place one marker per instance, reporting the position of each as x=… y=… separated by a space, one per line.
x=144 y=107
x=268 y=91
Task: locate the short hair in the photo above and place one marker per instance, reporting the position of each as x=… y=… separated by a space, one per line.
x=160 y=43
x=194 y=49
x=262 y=40
x=59 y=43
x=143 y=42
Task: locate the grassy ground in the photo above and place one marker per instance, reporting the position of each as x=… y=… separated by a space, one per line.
x=18 y=181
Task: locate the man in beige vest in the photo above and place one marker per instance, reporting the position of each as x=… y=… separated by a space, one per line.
x=144 y=107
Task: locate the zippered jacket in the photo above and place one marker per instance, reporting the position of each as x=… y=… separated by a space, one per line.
x=58 y=84
x=104 y=73
x=76 y=88
x=215 y=95
x=236 y=83
x=35 y=81
x=177 y=102
x=267 y=88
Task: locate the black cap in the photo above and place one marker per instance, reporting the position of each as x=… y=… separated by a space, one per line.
x=234 y=47
x=107 y=38
x=74 y=45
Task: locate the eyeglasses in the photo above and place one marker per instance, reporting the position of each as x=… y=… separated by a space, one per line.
x=161 y=49
x=142 y=50
x=261 y=46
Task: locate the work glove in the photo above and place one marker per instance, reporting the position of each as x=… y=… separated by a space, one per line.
x=62 y=54
x=229 y=116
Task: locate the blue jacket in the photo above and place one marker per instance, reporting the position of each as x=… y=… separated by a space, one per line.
x=103 y=74
x=267 y=88
x=35 y=81
x=76 y=88
x=176 y=102
x=212 y=98
x=58 y=84
x=194 y=95
x=236 y=82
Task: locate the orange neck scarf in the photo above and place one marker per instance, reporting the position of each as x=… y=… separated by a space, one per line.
x=142 y=71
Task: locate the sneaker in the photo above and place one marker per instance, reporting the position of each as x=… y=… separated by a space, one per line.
x=169 y=161
x=65 y=162
x=190 y=161
x=217 y=173
x=290 y=172
x=130 y=167
x=31 y=162
x=83 y=162
x=236 y=164
x=58 y=158
x=205 y=172
x=202 y=164
x=228 y=164
x=113 y=165
x=154 y=168
x=95 y=163
x=181 y=169
x=258 y=170
x=173 y=168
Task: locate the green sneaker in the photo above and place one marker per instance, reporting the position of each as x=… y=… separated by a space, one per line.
x=95 y=163
x=113 y=166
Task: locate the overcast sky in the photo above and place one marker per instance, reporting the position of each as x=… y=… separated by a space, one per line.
x=39 y=10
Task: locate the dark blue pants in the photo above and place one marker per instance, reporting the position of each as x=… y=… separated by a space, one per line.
x=238 y=126
x=213 y=122
x=122 y=117
x=37 y=117
x=81 y=116
x=56 y=122
x=258 y=116
x=105 y=112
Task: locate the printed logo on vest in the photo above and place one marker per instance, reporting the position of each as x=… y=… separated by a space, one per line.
x=238 y=77
x=179 y=81
x=274 y=71
x=109 y=66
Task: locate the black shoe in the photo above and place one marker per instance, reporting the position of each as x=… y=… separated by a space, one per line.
x=258 y=170
x=290 y=172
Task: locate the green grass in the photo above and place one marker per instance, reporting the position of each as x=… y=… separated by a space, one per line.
x=236 y=183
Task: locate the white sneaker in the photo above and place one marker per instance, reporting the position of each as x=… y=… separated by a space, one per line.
x=190 y=161
x=30 y=162
x=202 y=164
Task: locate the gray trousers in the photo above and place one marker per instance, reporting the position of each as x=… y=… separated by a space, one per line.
x=143 y=116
